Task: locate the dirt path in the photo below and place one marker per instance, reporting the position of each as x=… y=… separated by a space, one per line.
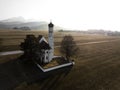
x=96 y=42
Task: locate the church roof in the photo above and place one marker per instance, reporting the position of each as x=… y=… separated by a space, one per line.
x=43 y=43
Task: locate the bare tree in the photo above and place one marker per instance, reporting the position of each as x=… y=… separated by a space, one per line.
x=68 y=47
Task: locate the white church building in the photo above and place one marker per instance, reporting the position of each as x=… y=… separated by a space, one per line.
x=47 y=47
x=48 y=50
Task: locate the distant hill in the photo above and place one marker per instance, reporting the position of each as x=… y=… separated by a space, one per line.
x=14 y=19
x=20 y=22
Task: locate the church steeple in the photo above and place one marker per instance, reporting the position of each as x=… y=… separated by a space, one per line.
x=50 y=24
x=51 y=40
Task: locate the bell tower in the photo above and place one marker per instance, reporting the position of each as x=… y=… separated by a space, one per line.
x=51 y=40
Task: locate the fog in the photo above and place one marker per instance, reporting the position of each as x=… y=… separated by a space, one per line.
x=71 y=14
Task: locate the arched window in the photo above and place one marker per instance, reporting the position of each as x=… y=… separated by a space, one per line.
x=47 y=57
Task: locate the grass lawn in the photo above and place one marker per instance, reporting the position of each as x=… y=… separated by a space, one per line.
x=55 y=62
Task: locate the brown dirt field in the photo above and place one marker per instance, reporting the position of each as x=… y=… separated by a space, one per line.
x=11 y=39
x=97 y=67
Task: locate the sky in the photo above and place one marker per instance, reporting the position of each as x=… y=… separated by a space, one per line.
x=72 y=14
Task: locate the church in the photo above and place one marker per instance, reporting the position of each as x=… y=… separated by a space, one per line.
x=47 y=47
x=42 y=49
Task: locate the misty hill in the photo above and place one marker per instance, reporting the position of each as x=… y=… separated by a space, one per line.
x=14 y=19
x=20 y=22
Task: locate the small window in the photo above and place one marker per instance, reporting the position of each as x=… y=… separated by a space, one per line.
x=46 y=57
x=42 y=58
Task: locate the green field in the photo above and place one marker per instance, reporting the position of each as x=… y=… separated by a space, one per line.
x=97 y=66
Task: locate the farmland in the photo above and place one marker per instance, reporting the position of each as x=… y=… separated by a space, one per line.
x=97 y=66
x=10 y=40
